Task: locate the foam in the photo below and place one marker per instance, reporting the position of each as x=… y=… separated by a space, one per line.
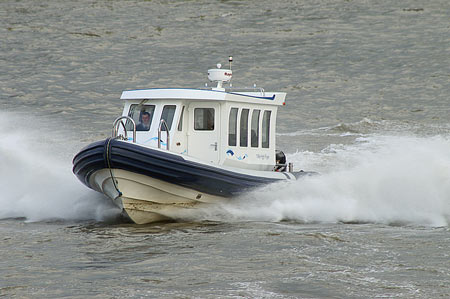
x=378 y=179
x=37 y=184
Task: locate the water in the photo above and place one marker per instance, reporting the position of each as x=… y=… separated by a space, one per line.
x=367 y=107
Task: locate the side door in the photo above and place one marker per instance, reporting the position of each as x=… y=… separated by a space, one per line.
x=204 y=131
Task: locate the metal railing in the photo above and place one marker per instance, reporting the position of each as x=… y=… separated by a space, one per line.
x=239 y=89
x=118 y=122
x=161 y=123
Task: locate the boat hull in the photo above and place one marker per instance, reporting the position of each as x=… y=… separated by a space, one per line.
x=152 y=185
x=145 y=199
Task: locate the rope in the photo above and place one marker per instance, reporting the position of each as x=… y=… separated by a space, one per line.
x=108 y=162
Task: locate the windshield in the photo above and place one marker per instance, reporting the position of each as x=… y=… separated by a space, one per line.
x=142 y=116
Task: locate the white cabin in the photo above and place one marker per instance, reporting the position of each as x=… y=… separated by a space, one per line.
x=218 y=126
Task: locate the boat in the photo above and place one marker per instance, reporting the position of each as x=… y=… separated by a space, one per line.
x=175 y=149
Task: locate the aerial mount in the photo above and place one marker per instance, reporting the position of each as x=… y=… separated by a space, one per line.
x=221 y=76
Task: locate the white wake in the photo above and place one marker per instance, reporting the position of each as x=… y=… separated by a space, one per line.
x=378 y=179
x=36 y=183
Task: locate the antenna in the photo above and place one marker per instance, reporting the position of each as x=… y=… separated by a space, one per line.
x=230 y=60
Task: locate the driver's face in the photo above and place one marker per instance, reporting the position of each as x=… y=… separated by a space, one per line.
x=145 y=118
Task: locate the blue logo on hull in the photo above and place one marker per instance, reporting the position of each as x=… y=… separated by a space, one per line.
x=230 y=153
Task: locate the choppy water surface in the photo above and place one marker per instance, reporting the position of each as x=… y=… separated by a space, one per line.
x=368 y=107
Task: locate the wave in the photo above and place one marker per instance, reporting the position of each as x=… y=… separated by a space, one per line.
x=37 y=183
x=378 y=179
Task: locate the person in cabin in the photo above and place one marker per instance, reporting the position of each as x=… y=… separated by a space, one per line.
x=144 y=125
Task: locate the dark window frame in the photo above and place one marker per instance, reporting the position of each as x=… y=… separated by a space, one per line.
x=169 y=121
x=132 y=112
x=254 y=124
x=265 y=129
x=232 y=136
x=206 y=124
x=180 y=122
x=243 y=127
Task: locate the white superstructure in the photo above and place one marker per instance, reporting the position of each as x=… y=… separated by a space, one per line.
x=218 y=125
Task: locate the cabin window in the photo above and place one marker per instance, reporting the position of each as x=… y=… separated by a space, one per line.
x=265 y=129
x=255 y=128
x=204 y=119
x=142 y=116
x=244 y=128
x=180 y=123
x=167 y=114
x=232 y=127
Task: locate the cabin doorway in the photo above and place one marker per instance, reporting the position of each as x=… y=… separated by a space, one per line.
x=204 y=128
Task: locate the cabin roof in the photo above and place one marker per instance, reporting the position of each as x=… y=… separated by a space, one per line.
x=264 y=98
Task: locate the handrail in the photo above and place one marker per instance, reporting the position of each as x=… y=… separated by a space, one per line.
x=239 y=89
x=119 y=122
x=161 y=123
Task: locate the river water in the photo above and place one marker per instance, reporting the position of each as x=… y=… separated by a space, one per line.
x=368 y=107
